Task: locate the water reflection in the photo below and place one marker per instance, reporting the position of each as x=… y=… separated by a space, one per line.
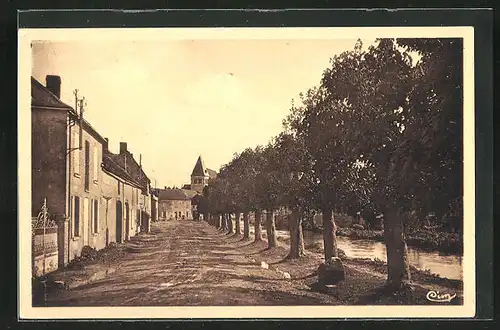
x=449 y=266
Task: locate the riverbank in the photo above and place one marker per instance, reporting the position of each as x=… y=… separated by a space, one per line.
x=450 y=243
x=364 y=278
x=380 y=266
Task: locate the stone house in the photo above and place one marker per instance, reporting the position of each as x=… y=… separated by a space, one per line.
x=84 y=187
x=154 y=204
x=141 y=200
x=127 y=206
x=66 y=169
x=174 y=204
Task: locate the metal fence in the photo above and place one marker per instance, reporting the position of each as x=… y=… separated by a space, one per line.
x=44 y=242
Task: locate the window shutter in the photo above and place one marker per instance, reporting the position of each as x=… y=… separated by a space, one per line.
x=87 y=165
x=96 y=216
x=76 y=216
x=76 y=153
x=95 y=163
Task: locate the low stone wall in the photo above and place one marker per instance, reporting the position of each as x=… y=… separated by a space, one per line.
x=51 y=251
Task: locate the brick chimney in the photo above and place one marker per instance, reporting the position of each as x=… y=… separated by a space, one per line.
x=53 y=84
x=105 y=145
x=123 y=147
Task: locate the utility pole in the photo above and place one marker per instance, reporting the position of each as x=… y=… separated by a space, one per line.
x=80 y=104
x=75 y=92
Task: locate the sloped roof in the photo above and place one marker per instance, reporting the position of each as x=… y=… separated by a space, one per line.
x=190 y=193
x=186 y=186
x=172 y=194
x=211 y=173
x=41 y=96
x=109 y=165
x=199 y=168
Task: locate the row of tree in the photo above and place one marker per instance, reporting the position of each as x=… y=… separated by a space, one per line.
x=379 y=132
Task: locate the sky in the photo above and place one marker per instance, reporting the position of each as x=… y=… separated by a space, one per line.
x=173 y=100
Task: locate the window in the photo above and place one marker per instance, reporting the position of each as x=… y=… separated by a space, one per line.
x=118 y=187
x=95 y=215
x=96 y=164
x=87 y=165
x=76 y=154
x=76 y=216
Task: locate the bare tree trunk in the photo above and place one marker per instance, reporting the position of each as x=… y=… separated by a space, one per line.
x=229 y=224
x=297 y=248
x=219 y=221
x=329 y=234
x=224 y=222
x=271 y=230
x=238 y=223
x=257 y=226
x=246 y=226
x=398 y=268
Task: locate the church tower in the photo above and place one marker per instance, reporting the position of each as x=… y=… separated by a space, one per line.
x=199 y=176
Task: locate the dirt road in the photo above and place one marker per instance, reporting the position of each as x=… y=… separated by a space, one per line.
x=188 y=263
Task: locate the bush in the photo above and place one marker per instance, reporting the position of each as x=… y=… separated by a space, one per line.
x=88 y=253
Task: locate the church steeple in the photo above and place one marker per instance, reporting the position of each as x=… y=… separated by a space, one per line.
x=199 y=176
x=199 y=168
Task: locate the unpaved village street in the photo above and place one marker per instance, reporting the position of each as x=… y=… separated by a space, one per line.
x=190 y=263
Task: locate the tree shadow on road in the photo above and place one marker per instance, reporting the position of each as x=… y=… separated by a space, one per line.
x=258 y=252
x=285 y=259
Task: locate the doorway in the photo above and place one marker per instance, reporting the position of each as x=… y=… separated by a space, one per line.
x=119 y=222
x=127 y=222
x=86 y=221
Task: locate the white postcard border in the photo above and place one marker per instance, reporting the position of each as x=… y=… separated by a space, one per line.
x=26 y=311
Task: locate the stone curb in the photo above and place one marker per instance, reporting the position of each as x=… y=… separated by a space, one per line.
x=95 y=276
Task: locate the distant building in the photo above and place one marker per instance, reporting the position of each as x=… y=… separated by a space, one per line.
x=200 y=176
x=174 y=204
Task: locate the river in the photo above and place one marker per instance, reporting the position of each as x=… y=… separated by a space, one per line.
x=449 y=266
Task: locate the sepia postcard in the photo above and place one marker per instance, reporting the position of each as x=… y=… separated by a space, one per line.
x=199 y=173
